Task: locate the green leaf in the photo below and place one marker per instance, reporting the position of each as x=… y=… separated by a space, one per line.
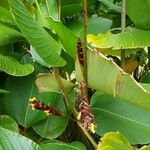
x=104 y=75
x=47 y=8
x=59 y=146
x=12 y=141
x=101 y=25
x=52 y=126
x=111 y=6
x=4 y=91
x=12 y=67
x=64 y=35
x=145 y=78
x=114 y=114
x=48 y=83
x=114 y=141
x=126 y=40
x=8 y=123
x=46 y=47
x=5 y=15
x=140 y=18
x=17 y=102
x=9 y=35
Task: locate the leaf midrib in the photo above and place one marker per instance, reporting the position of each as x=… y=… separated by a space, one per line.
x=121 y=116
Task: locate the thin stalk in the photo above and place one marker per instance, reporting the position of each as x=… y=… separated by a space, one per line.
x=73 y=110
x=123 y=25
x=85 y=23
x=61 y=86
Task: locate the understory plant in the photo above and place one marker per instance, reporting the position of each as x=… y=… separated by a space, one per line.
x=74 y=74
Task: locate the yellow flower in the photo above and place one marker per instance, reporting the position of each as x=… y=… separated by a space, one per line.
x=79 y=116
x=92 y=127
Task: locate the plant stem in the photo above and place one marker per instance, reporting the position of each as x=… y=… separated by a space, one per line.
x=123 y=25
x=61 y=86
x=89 y=137
x=85 y=23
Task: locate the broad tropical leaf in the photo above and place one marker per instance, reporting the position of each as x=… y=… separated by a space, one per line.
x=126 y=40
x=52 y=126
x=140 y=18
x=12 y=67
x=64 y=35
x=5 y=15
x=114 y=114
x=13 y=141
x=60 y=146
x=9 y=35
x=114 y=141
x=104 y=75
x=48 y=83
x=17 y=102
x=8 y=123
x=46 y=47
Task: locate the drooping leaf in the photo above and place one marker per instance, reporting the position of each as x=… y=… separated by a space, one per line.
x=12 y=67
x=13 y=141
x=104 y=75
x=60 y=146
x=98 y=25
x=114 y=114
x=126 y=40
x=46 y=47
x=48 y=83
x=114 y=141
x=8 y=123
x=140 y=18
x=67 y=38
x=9 y=35
x=52 y=126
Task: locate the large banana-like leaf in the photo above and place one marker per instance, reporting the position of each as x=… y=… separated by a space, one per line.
x=114 y=114
x=46 y=47
x=52 y=126
x=140 y=18
x=12 y=67
x=103 y=74
x=114 y=141
x=12 y=141
x=126 y=40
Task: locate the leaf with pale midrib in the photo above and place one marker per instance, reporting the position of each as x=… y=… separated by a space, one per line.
x=46 y=47
x=12 y=67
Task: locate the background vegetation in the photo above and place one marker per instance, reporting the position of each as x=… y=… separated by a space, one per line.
x=41 y=57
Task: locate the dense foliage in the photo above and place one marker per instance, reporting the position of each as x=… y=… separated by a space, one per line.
x=68 y=85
